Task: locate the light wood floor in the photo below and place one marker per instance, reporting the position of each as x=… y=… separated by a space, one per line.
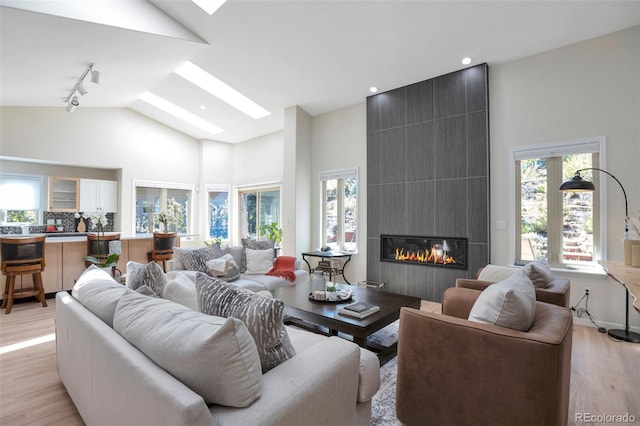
x=605 y=374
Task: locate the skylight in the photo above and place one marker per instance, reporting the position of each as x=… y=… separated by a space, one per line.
x=180 y=113
x=209 y=6
x=219 y=89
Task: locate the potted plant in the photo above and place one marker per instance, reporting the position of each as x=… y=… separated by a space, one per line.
x=272 y=231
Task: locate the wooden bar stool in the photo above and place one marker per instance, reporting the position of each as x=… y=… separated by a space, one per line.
x=20 y=256
x=162 y=251
x=100 y=247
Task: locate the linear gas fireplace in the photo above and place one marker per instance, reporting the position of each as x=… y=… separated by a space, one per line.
x=428 y=251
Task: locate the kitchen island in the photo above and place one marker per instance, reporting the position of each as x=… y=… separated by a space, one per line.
x=64 y=258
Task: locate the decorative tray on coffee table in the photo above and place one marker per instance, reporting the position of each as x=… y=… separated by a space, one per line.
x=343 y=296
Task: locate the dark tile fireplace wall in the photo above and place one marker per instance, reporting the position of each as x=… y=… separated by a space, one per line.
x=428 y=174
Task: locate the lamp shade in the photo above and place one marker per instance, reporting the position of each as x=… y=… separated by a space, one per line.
x=577 y=184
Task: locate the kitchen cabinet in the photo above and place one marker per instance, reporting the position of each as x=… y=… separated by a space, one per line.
x=63 y=194
x=98 y=194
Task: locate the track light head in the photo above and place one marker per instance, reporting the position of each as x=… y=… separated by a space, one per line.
x=95 y=76
x=81 y=89
x=74 y=101
x=70 y=107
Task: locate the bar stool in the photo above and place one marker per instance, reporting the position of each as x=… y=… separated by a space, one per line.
x=20 y=256
x=162 y=251
x=99 y=247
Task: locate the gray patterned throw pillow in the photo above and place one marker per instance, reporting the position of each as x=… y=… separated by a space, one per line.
x=261 y=314
x=196 y=260
x=146 y=274
x=254 y=245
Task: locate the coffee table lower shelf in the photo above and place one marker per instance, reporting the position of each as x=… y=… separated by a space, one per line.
x=384 y=353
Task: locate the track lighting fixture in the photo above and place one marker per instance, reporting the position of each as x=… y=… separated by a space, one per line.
x=82 y=90
x=72 y=100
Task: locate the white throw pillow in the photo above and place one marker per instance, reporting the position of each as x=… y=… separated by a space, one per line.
x=510 y=303
x=258 y=261
x=181 y=290
x=539 y=272
x=495 y=273
x=215 y=357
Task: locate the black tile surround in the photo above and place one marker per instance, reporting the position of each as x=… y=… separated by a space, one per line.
x=428 y=174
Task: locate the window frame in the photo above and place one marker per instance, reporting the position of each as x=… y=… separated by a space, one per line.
x=342 y=173
x=190 y=215
x=42 y=201
x=595 y=145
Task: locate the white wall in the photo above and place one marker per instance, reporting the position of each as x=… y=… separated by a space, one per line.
x=340 y=141
x=586 y=89
x=112 y=138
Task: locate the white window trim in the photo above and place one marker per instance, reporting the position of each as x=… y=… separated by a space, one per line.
x=168 y=185
x=558 y=148
x=218 y=187
x=341 y=173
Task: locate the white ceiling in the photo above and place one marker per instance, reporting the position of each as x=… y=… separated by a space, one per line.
x=320 y=55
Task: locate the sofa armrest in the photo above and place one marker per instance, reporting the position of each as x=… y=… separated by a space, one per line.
x=324 y=375
x=457 y=302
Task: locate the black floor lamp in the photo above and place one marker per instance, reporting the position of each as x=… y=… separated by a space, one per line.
x=577 y=184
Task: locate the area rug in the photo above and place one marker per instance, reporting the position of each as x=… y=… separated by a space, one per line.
x=383 y=404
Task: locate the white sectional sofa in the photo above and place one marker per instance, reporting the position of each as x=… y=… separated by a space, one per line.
x=257 y=282
x=328 y=381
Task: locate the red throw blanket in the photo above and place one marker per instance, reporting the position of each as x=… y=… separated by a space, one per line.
x=283 y=267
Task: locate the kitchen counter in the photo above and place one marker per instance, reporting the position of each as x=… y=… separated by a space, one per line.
x=70 y=237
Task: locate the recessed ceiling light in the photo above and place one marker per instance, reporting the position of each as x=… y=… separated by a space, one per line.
x=373 y=89
x=209 y=6
x=203 y=107
x=466 y=61
x=180 y=113
x=219 y=89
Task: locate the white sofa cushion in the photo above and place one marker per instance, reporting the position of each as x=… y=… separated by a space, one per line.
x=510 y=303
x=215 y=357
x=262 y=314
x=97 y=291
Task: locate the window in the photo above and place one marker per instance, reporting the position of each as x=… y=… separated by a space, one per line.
x=218 y=211
x=20 y=199
x=339 y=191
x=258 y=207
x=561 y=227
x=153 y=198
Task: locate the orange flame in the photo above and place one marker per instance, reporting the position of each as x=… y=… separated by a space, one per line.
x=424 y=256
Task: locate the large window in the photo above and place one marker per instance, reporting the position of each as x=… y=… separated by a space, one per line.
x=339 y=191
x=218 y=211
x=258 y=206
x=173 y=200
x=20 y=199
x=561 y=227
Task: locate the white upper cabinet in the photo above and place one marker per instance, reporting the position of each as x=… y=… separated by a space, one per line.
x=95 y=194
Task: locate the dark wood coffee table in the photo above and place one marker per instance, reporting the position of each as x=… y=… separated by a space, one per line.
x=313 y=315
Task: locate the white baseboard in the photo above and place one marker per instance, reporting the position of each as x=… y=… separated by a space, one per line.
x=608 y=325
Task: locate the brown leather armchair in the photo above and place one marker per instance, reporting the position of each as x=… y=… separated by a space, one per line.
x=452 y=371
x=557 y=293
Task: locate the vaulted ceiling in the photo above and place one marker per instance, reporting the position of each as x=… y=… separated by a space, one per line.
x=319 y=55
